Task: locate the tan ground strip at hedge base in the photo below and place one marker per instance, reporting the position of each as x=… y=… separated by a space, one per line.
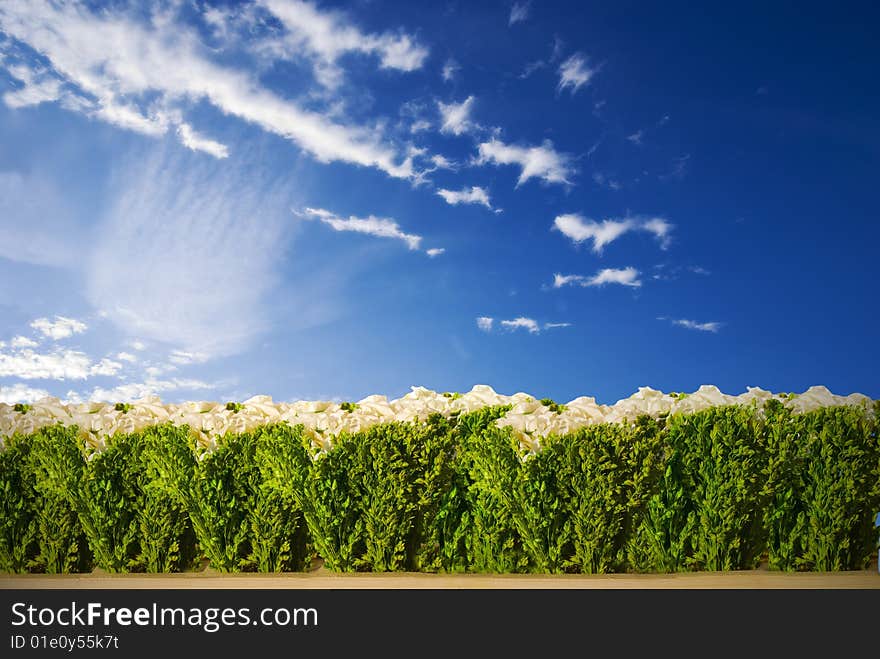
x=746 y=579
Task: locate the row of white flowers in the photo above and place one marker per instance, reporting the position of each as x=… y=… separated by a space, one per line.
x=530 y=419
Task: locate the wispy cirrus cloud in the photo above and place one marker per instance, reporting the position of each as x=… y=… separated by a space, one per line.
x=379 y=227
x=325 y=36
x=519 y=12
x=192 y=140
x=574 y=73
x=183 y=241
x=713 y=326
x=450 y=70
x=487 y=324
x=158 y=67
x=580 y=229
x=622 y=276
x=542 y=162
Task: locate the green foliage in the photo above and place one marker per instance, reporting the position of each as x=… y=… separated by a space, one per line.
x=167 y=540
x=609 y=473
x=18 y=507
x=725 y=472
x=106 y=500
x=55 y=468
x=714 y=490
x=827 y=475
x=279 y=535
x=125 y=408
x=235 y=408
x=21 y=408
x=348 y=407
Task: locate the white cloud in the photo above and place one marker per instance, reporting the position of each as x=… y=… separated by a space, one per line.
x=37 y=87
x=192 y=140
x=485 y=323
x=602 y=180
x=456 y=116
x=623 y=276
x=541 y=162
x=326 y=36
x=442 y=162
x=56 y=365
x=188 y=251
x=450 y=69
x=574 y=73
x=372 y=225
x=694 y=325
x=435 y=251
x=519 y=12
x=531 y=67
x=126 y=357
x=660 y=228
x=636 y=138
x=106 y=367
x=154 y=68
x=21 y=393
x=420 y=125
x=151 y=387
x=473 y=195
x=22 y=342
x=521 y=323
x=580 y=229
x=138 y=345
x=183 y=357
x=60 y=328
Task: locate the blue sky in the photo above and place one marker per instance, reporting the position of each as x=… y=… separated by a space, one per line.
x=211 y=200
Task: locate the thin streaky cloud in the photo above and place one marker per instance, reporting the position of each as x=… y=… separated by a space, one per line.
x=379 y=227
x=196 y=142
x=622 y=276
x=636 y=138
x=522 y=322
x=172 y=69
x=519 y=12
x=700 y=327
x=326 y=36
x=574 y=73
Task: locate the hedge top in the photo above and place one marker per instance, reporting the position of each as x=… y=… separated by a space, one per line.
x=529 y=417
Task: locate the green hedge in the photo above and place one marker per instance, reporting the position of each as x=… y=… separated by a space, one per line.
x=721 y=489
